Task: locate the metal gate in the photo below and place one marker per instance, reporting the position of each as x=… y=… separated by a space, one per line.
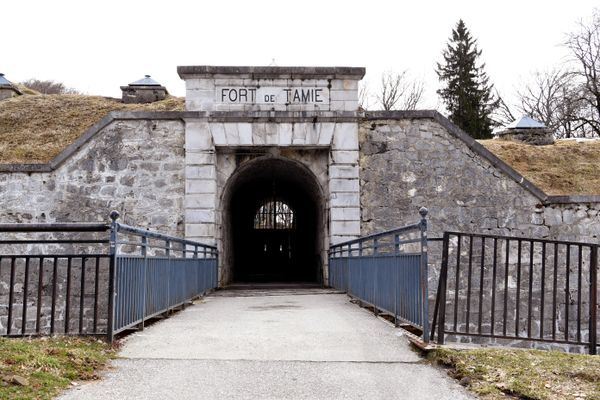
x=387 y=270
x=517 y=289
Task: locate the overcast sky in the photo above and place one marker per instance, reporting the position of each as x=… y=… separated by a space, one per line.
x=96 y=47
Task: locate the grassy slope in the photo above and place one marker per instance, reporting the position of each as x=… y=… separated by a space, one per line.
x=49 y=365
x=566 y=167
x=524 y=374
x=35 y=128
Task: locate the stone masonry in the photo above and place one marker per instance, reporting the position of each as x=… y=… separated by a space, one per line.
x=293 y=109
x=409 y=160
x=132 y=165
x=414 y=159
x=171 y=171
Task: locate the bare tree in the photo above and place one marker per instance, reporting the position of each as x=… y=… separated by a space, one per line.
x=553 y=97
x=48 y=87
x=364 y=95
x=584 y=44
x=503 y=114
x=413 y=95
x=398 y=91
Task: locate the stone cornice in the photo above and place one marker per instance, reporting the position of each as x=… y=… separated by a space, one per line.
x=258 y=72
x=273 y=116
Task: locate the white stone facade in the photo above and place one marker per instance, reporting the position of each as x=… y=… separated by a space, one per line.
x=271 y=88
x=295 y=110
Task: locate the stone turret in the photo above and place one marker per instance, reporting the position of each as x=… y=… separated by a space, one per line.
x=145 y=90
x=7 y=89
x=527 y=130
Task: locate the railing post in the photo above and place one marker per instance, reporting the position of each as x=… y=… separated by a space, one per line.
x=423 y=275
x=216 y=268
x=396 y=278
x=114 y=228
x=144 y=279
x=347 y=266
x=593 y=298
x=170 y=273
x=198 y=270
x=442 y=291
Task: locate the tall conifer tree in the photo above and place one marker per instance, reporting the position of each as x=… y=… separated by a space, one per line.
x=467 y=93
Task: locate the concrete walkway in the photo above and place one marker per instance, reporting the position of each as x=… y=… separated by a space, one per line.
x=286 y=344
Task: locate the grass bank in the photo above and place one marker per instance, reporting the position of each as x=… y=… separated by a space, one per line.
x=523 y=374
x=42 y=368
x=36 y=128
x=567 y=167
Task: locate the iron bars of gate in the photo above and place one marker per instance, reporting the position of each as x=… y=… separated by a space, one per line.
x=72 y=278
x=519 y=289
x=53 y=279
x=388 y=271
x=154 y=275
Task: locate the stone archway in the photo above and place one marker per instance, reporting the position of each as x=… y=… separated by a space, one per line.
x=273 y=223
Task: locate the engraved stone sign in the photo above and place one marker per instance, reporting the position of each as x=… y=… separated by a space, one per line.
x=272 y=95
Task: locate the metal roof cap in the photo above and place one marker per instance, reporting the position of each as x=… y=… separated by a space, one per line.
x=4 y=81
x=146 y=81
x=525 y=122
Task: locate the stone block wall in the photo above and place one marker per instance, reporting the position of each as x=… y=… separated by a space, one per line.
x=326 y=145
x=7 y=93
x=133 y=165
x=168 y=175
x=414 y=159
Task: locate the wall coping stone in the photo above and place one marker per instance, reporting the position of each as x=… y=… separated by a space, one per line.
x=573 y=199
x=258 y=72
x=273 y=116
x=479 y=149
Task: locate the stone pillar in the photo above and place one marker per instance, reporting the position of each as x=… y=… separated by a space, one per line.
x=200 y=182
x=344 y=187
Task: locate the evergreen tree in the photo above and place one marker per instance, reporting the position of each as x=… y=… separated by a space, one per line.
x=467 y=93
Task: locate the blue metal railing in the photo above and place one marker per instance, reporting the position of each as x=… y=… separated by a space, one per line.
x=157 y=274
x=387 y=270
x=57 y=280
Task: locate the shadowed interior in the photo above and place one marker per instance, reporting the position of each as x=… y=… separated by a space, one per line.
x=274 y=245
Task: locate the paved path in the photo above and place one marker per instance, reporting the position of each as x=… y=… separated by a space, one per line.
x=303 y=344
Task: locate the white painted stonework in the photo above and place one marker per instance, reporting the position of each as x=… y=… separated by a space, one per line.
x=300 y=110
x=272 y=95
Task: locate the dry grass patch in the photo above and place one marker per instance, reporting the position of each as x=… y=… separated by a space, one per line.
x=523 y=374
x=42 y=368
x=36 y=128
x=564 y=168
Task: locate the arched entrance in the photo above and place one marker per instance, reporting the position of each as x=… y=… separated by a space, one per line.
x=273 y=217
